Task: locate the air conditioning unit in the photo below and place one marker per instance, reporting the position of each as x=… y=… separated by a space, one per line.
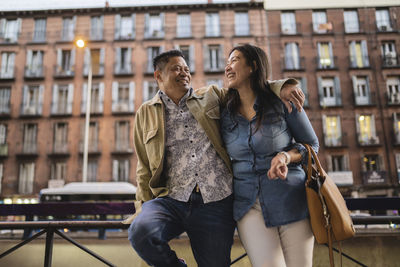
x=383 y=28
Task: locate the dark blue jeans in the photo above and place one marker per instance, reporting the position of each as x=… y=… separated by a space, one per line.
x=210 y=228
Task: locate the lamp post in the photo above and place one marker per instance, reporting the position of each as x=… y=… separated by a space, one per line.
x=81 y=44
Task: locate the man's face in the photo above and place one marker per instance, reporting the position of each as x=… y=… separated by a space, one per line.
x=175 y=76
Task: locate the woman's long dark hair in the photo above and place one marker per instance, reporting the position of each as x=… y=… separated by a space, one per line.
x=258 y=61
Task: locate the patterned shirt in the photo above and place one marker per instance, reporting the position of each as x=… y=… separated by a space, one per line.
x=190 y=158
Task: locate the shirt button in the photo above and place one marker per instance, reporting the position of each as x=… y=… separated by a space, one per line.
x=191 y=141
x=192 y=156
x=186 y=126
x=195 y=174
x=181 y=111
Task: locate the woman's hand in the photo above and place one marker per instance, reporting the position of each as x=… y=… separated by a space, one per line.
x=278 y=168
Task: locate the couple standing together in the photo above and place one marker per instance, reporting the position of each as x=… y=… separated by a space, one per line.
x=211 y=157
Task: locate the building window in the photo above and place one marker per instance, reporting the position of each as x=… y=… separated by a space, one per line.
x=332 y=130
x=3 y=134
x=242 y=27
x=188 y=53
x=122 y=135
x=351 y=23
x=398 y=166
x=65 y=62
x=362 y=92
x=288 y=23
x=9 y=30
x=214 y=58
x=212 y=25
x=325 y=56
x=396 y=127
x=96 y=58
x=96 y=28
x=123 y=61
x=358 y=54
x=123 y=97
x=329 y=91
x=5 y=93
x=92 y=170
x=183 y=26
x=1 y=175
x=366 y=129
x=372 y=163
x=154 y=26
x=125 y=27
x=96 y=98
x=383 y=20
x=150 y=89
x=60 y=142
x=121 y=170
x=152 y=52
x=26 y=178
x=7 y=65
x=29 y=144
x=389 y=55
x=32 y=100
x=34 y=64
x=58 y=171
x=39 y=35
x=320 y=23
x=292 y=56
x=338 y=163
x=68 y=29
x=93 y=137
x=393 y=89
x=62 y=99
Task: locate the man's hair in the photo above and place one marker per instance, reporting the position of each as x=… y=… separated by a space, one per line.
x=161 y=60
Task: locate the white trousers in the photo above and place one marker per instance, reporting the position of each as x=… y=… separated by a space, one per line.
x=287 y=245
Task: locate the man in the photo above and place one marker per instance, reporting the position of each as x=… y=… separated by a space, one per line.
x=183 y=171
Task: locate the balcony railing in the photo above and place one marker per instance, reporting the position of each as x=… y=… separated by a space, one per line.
x=31 y=110
x=242 y=30
x=322 y=28
x=293 y=64
x=290 y=28
x=3 y=150
x=60 y=148
x=5 y=108
x=125 y=33
x=385 y=26
x=368 y=141
x=29 y=148
x=390 y=61
x=39 y=36
x=353 y=27
x=9 y=74
x=122 y=106
x=324 y=63
x=10 y=37
x=359 y=63
x=96 y=34
x=60 y=72
x=34 y=73
x=340 y=141
x=123 y=147
x=97 y=69
x=369 y=100
x=396 y=136
x=67 y=36
x=96 y=107
x=126 y=70
x=214 y=69
x=93 y=147
x=393 y=99
x=61 y=108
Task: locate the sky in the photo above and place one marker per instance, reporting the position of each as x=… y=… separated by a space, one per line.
x=13 y=5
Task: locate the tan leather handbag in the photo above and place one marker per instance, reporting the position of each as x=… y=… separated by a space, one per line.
x=329 y=216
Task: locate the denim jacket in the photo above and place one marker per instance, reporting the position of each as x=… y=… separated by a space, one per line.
x=251 y=152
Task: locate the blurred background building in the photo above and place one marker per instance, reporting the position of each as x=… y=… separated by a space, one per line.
x=342 y=52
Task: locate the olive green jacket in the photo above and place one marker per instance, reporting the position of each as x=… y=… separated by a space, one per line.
x=149 y=137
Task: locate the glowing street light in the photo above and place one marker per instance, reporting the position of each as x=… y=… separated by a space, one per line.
x=81 y=44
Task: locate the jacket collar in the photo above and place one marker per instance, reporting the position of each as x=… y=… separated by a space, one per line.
x=157 y=99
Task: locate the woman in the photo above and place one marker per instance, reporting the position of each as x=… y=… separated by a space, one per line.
x=270 y=202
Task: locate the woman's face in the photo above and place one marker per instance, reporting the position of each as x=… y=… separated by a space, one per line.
x=237 y=72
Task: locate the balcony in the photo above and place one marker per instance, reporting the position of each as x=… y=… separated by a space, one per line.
x=368 y=141
x=293 y=64
x=60 y=149
x=219 y=68
x=340 y=141
x=330 y=102
x=122 y=107
x=67 y=36
x=242 y=30
x=369 y=100
x=359 y=63
x=34 y=73
x=123 y=148
x=393 y=98
x=290 y=28
x=97 y=70
x=96 y=107
x=9 y=74
x=323 y=28
x=38 y=36
x=374 y=177
x=96 y=33
x=353 y=27
x=93 y=148
x=61 y=108
x=28 y=149
x=33 y=110
x=9 y=37
x=61 y=72
x=385 y=26
x=128 y=69
x=390 y=61
x=326 y=63
x=125 y=33
x=5 y=109
x=3 y=150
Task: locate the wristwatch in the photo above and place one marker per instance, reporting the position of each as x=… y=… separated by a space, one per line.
x=287 y=156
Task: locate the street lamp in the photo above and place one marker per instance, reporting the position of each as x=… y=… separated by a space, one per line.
x=81 y=44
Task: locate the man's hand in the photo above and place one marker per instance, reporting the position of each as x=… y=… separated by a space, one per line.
x=291 y=93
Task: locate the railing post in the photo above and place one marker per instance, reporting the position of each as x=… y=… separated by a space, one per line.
x=49 y=247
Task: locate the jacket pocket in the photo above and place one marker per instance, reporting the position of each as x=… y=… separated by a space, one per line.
x=149 y=135
x=214 y=113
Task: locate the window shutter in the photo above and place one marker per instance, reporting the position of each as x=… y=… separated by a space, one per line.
x=339 y=127
x=305 y=90
x=59 y=59
x=324 y=129
x=346 y=163
x=128 y=60
x=117 y=66
x=87 y=61
x=117 y=33
x=331 y=54
x=84 y=97
x=338 y=91
x=101 y=97
x=373 y=128
x=19 y=25
x=73 y=27
x=26 y=98
x=133 y=17
x=147 y=34
x=221 y=59
x=191 y=58
x=3 y=135
x=364 y=50
x=132 y=96
x=28 y=62
x=11 y=63
x=72 y=60
x=368 y=90
x=102 y=56
x=145 y=91
x=126 y=170
x=40 y=104
x=70 y=98
x=320 y=92
x=54 y=104
x=353 y=55
x=329 y=163
x=162 y=19
x=115 y=170
x=114 y=94
x=3 y=25
x=354 y=80
x=149 y=60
